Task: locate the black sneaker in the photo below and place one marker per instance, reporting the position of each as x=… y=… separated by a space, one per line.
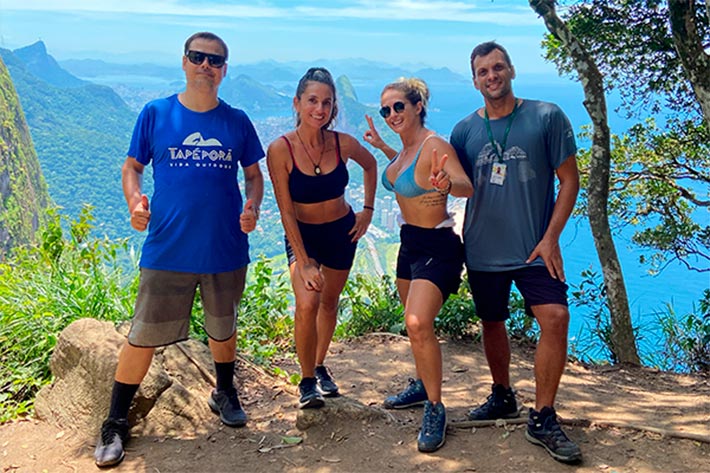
x=226 y=404
x=310 y=397
x=109 y=448
x=500 y=404
x=545 y=430
x=433 y=433
x=326 y=386
x=413 y=395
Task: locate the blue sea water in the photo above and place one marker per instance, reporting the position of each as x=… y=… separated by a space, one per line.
x=648 y=294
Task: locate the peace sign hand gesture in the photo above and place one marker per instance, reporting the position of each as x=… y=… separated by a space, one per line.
x=371 y=135
x=439 y=178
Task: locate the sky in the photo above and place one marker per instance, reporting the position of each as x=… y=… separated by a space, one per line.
x=437 y=33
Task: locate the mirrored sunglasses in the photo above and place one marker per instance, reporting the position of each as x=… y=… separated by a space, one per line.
x=386 y=110
x=197 y=58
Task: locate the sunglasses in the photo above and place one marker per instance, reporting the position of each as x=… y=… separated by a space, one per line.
x=398 y=107
x=197 y=58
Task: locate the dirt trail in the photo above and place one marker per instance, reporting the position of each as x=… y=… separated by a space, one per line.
x=371 y=367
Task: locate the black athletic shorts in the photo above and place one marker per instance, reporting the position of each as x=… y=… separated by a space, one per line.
x=434 y=254
x=327 y=243
x=491 y=290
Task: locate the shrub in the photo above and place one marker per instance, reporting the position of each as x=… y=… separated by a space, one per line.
x=42 y=290
x=685 y=345
x=369 y=304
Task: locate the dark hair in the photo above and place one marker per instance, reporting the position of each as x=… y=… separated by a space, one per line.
x=318 y=74
x=415 y=90
x=484 y=49
x=209 y=37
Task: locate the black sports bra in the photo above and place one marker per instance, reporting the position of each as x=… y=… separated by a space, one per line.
x=307 y=189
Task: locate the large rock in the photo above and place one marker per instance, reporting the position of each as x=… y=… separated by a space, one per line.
x=171 y=400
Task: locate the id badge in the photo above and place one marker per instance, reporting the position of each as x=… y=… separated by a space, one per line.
x=498 y=173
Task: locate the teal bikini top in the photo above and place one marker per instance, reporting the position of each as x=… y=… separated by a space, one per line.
x=405 y=185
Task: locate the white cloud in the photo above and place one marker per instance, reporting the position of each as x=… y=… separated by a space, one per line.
x=436 y=10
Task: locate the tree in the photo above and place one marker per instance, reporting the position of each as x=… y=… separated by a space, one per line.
x=622 y=336
x=690 y=36
x=653 y=53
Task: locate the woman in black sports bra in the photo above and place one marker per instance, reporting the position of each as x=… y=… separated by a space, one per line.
x=309 y=175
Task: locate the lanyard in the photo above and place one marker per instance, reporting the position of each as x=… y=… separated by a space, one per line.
x=499 y=152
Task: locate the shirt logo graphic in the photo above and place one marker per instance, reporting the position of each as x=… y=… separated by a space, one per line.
x=194 y=150
x=196 y=139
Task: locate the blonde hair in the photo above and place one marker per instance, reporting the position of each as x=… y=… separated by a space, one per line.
x=414 y=89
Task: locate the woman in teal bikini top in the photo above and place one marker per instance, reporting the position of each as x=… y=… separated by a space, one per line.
x=430 y=258
x=405 y=184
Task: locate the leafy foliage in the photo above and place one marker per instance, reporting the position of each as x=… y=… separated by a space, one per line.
x=633 y=49
x=265 y=324
x=659 y=175
x=368 y=305
x=595 y=333
x=43 y=289
x=658 y=185
x=686 y=339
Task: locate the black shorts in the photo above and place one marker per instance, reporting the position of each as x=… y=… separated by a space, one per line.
x=434 y=254
x=491 y=290
x=327 y=243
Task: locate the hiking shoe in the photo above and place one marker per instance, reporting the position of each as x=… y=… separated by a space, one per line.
x=226 y=404
x=433 y=433
x=109 y=448
x=310 y=397
x=326 y=386
x=413 y=395
x=500 y=404
x=545 y=430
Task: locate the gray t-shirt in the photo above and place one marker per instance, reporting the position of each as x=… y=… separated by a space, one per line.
x=504 y=223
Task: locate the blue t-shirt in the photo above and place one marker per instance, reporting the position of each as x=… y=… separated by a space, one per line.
x=504 y=223
x=196 y=204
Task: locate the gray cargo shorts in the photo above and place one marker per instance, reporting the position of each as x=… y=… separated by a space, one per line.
x=165 y=299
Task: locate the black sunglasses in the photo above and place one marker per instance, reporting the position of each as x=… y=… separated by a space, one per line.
x=197 y=58
x=397 y=106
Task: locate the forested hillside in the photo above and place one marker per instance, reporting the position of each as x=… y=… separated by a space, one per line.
x=81 y=133
x=23 y=191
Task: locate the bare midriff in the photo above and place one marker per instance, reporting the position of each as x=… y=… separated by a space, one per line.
x=426 y=211
x=322 y=212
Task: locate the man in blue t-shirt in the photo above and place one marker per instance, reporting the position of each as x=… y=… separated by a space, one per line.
x=197 y=225
x=512 y=149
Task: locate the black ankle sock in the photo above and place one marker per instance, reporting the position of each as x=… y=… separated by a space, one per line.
x=121 y=398
x=225 y=375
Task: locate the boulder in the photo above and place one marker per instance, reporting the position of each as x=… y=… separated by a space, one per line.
x=171 y=400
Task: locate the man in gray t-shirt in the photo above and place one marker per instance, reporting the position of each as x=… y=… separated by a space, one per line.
x=512 y=149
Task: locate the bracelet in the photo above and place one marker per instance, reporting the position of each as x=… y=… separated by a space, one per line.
x=368 y=207
x=445 y=191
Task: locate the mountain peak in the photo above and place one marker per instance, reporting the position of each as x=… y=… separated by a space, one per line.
x=36 y=50
x=43 y=65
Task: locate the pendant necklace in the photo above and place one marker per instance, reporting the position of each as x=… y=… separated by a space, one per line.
x=316 y=165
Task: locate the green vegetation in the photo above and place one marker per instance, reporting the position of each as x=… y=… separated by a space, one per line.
x=44 y=288
x=23 y=192
x=683 y=341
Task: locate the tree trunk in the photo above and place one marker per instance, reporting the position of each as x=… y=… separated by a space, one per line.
x=691 y=52
x=622 y=334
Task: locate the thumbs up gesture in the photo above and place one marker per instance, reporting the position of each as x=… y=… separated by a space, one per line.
x=140 y=214
x=439 y=178
x=247 y=220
